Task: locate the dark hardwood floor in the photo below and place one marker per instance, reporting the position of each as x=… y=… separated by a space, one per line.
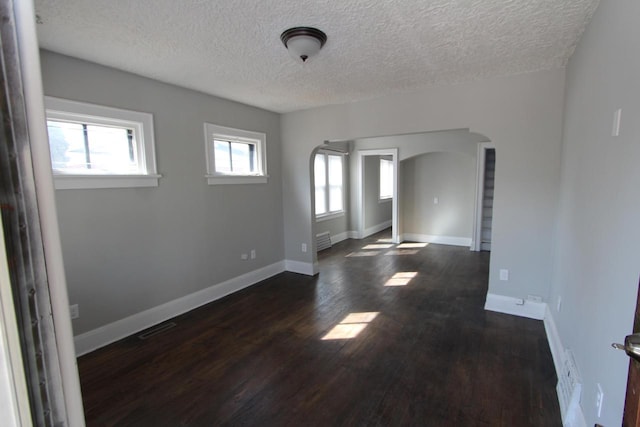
x=422 y=353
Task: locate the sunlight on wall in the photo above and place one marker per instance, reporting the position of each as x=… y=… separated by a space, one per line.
x=351 y=326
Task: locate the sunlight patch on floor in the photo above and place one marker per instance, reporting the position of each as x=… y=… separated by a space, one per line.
x=412 y=245
x=362 y=253
x=401 y=278
x=403 y=252
x=378 y=246
x=351 y=326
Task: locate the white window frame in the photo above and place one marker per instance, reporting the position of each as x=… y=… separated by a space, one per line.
x=385 y=198
x=142 y=124
x=331 y=214
x=259 y=139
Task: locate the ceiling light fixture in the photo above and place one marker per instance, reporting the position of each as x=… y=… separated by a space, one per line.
x=303 y=42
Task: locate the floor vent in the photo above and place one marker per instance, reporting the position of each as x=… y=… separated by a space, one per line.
x=569 y=389
x=156 y=330
x=323 y=241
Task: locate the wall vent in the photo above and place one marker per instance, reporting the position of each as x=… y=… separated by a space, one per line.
x=323 y=241
x=155 y=330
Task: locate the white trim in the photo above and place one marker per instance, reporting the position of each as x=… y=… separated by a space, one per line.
x=71 y=182
x=555 y=343
x=41 y=158
x=476 y=239
x=231 y=179
x=107 y=334
x=442 y=240
x=14 y=395
x=376 y=228
x=301 y=267
x=330 y=215
x=337 y=238
x=515 y=306
x=259 y=139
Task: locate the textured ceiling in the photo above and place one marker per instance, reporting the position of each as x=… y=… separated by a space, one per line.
x=231 y=48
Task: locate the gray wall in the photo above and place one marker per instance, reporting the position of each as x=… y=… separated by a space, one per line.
x=127 y=250
x=521 y=115
x=451 y=178
x=375 y=212
x=597 y=266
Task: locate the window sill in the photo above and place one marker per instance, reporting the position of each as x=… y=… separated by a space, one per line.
x=74 y=182
x=326 y=217
x=387 y=200
x=232 y=179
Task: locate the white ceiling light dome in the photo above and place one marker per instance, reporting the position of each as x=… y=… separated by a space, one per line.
x=303 y=42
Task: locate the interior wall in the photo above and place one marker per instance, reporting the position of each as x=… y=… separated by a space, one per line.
x=448 y=177
x=596 y=261
x=521 y=115
x=376 y=212
x=130 y=249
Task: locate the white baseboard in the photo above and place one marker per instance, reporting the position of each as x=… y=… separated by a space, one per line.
x=107 y=334
x=339 y=237
x=443 y=240
x=376 y=228
x=301 y=267
x=509 y=305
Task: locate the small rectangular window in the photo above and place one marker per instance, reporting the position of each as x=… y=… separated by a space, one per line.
x=386 y=179
x=234 y=156
x=100 y=147
x=329 y=184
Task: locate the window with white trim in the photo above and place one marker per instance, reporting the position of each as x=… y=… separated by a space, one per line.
x=235 y=156
x=329 y=184
x=386 y=179
x=93 y=146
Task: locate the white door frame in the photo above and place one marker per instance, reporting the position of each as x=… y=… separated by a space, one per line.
x=477 y=222
x=393 y=152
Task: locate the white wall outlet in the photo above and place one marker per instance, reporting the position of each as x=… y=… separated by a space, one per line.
x=519 y=301
x=244 y=256
x=617 y=117
x=304 y=247
x=599 y=399
x=74 y=310
x=559 y=304
x=504 y=275
x=435 y=201
x=534 y=298
x=253 y=254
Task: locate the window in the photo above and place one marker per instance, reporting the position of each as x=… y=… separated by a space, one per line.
x=386 y=179
x=235 y=156
x=100 y=147
x=329 y=191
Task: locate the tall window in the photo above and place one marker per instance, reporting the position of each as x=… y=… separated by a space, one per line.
x=235 y=156
x=100 y=147
x=386 y=179
x=329 y=185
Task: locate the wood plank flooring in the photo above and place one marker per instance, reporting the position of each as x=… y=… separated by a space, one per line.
x=427 y=353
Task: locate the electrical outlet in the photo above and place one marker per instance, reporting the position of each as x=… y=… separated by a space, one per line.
x=534 y=298
x=253 y=254
x=504 y=275
x=74 y=310
x=244 y=256
x=435 y=201
x=599 y=399
x=304 y=247
x=617 y=117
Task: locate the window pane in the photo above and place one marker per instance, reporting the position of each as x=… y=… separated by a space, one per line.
x=320 y=173
x=386 y=179
x=242 y=158
x=222 y=155
x=335 y=183
x=67 y=146
x=109 y=150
